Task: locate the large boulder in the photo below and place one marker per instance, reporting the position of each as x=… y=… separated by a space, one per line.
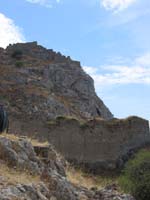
x=19 y=154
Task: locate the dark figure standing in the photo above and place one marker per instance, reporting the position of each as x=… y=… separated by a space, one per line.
x=4 y=123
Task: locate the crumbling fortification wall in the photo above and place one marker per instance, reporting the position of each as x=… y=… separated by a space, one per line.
x=99 y=144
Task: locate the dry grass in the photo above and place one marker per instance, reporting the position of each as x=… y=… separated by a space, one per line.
x=9 y=136
x=80 y=178
x=51 y=122
x=13 y=176
x=34 y=142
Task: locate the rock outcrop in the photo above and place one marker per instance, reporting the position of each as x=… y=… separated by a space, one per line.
x=41 y=84
x=19 y=155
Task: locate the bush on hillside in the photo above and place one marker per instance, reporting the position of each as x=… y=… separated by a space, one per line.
x=66 y=117
x=19 y=64
x=136 y=176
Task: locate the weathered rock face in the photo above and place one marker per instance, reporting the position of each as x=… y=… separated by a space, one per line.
x=19 y=154
x=98 y=144
x=51 y=185
x=38 y=83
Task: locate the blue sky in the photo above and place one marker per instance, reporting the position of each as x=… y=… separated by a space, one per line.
x=111 y=39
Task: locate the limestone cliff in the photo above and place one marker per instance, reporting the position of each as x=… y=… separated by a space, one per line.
x=38 y=83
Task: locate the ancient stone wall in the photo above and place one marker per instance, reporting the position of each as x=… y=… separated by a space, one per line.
x=99 y=144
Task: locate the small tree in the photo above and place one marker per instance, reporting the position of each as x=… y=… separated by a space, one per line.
x=19 y=64
x=136 y=176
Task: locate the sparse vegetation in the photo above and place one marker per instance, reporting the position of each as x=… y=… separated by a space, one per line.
x=10 y=136
x=14 y=176
x=71 y=118
x=19 y=64
x=84 y=125
x=51 y=122
x=66 y=117
x=34 y=142
x=80 y=178
x=136 y=176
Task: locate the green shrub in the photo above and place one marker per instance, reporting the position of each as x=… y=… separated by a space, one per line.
x=84 y=125
x=19 y=64
x=17 y=54
x=66 y=117
x=51 y=122
x=136 y=176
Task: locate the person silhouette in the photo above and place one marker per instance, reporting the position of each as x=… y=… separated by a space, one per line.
x=4 y=123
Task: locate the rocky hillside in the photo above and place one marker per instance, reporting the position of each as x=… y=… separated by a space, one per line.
x=38 y=83
x=37 y=172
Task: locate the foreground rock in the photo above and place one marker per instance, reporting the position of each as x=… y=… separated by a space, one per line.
x=41 y=192
x=49 y=166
